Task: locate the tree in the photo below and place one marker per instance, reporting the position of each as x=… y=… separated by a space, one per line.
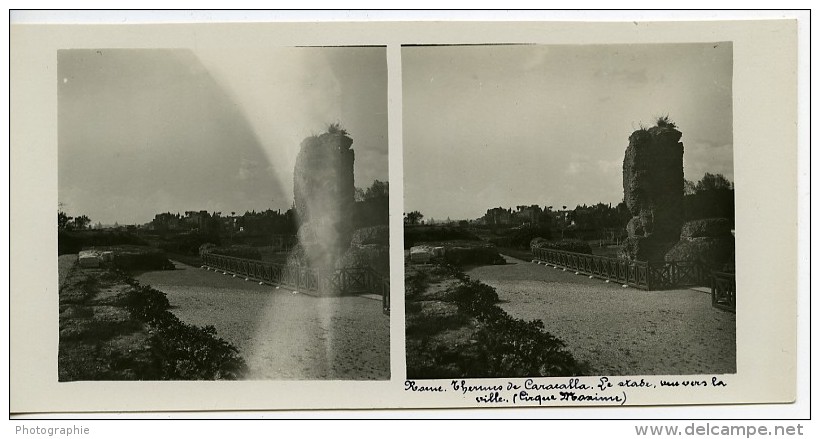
x=81 y=222
x=413 y=217
x=372 y=205
x=358 y=194
x=711 y=182
x=689 y=187
x=63 y=220
x=713 y=198
x=379 y=189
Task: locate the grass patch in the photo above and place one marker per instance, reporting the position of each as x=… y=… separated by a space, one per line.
x=83 y=287
x=423 y=324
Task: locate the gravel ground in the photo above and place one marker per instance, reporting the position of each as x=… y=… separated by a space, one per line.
x=280 y=334
x=616 y=330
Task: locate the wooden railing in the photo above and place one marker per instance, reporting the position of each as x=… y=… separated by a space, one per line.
x=723 y=291
x=354 y=280
x=633 y=273
x=638 y=274
x=677 y=274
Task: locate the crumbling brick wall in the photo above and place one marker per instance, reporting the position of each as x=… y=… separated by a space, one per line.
x=323 y=193
x=653 y=192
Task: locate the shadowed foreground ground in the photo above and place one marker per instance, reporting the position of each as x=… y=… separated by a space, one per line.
x=618 y=331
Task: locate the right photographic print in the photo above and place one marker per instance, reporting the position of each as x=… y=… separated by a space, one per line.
x=568 y=210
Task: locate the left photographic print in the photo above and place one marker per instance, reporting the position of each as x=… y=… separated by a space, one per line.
x=223 y=214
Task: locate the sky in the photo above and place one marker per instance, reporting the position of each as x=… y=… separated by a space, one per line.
x=508 y=125
x=142 y=132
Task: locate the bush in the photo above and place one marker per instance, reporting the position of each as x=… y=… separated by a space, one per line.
x=192 y=353
x=475 y=298
x=715 y=253
x=145 y=303
x=187 y=243
x=429 y=317
x=182 y=351
x=511 y=347
x=718 y=203
x=69 y=242
x=415 y=282
x=238 y=251
x=371 y=235
x=132 y=257
x=206 y=248
x=521 y=237
x=468 y=253
x=567 y=245
x=416 y=234
x=709 y=227
x=372 y=212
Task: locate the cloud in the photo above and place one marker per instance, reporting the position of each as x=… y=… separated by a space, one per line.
x=700 y=158
x=610 y=166
x=285 y=94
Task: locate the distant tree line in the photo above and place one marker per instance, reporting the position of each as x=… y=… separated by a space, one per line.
x=711 y=197
x=66 y=222
x=372 y=206
x=413 y=218
x=74 y=234
x=215 y=224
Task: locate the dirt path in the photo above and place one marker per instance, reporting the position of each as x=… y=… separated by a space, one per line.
x=618 y=331
x=280 y=334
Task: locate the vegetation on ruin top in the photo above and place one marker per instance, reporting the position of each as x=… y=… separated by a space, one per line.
x=665 y=122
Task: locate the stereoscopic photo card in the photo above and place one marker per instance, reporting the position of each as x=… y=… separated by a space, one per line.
x=385 y=215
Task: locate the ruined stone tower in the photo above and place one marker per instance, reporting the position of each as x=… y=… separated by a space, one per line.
x=653 y=191
x=323 y=195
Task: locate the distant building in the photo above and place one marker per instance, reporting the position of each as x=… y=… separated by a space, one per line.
x=196 y=220
x=529 y=215
x=165 y=222
x=498 y=216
